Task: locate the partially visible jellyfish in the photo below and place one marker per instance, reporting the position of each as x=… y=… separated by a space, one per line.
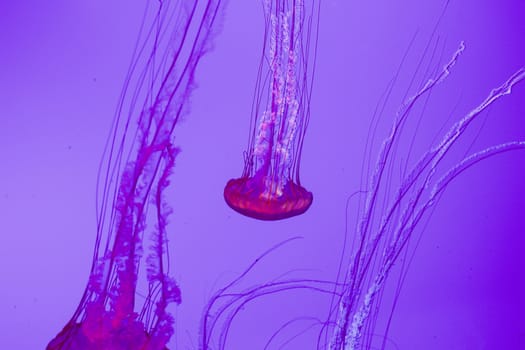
x=131 y=208
x=269 y=188
x=391 y=214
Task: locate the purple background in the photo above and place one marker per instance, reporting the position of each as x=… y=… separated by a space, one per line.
x=62 y=65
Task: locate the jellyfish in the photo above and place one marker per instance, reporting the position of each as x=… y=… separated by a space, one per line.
x=270 y=188
x=132 y=210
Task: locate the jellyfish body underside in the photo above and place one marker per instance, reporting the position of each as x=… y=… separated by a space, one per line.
x=73 y=337
x=250 y=197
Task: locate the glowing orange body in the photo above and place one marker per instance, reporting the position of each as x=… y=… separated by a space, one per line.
x=249 y=196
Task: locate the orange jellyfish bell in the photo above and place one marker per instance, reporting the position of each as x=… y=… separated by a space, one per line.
x=251 y=197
